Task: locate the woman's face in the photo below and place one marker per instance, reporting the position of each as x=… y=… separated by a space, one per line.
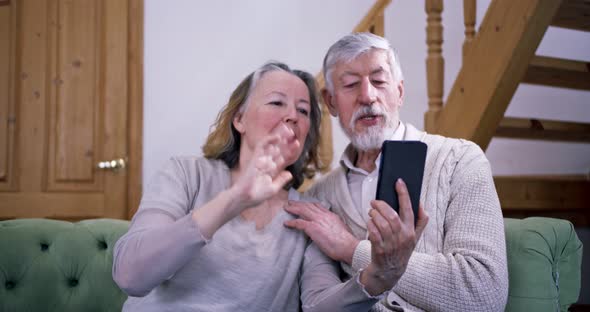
x=279 y=103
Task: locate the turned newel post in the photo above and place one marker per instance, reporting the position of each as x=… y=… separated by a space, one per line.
x=435 y=63
x=469 y=8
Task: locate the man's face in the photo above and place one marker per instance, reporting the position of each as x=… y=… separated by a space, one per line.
x=366 y=99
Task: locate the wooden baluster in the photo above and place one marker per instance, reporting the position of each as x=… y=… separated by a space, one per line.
x=326 y=151
x=435 y=63
x=469 y=7
x=378 y=27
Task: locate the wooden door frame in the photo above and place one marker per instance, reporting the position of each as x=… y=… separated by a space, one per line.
x=135 y=104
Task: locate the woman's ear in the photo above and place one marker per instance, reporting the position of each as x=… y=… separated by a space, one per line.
x=238 y=123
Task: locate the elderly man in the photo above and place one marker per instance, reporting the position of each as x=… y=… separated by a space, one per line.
x=459 y=262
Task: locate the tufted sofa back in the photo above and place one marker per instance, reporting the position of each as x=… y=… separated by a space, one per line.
x=49 y=265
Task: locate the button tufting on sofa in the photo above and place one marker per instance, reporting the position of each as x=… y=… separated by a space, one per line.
x=102 y=245
x=9 y=285
x=44 y=247
x=72 y=282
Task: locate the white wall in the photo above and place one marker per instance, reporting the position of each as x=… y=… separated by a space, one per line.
x=196 y=52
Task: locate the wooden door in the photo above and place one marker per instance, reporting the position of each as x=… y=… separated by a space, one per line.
x=65 y=106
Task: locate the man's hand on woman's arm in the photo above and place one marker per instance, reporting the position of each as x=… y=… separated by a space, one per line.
x=325 y=228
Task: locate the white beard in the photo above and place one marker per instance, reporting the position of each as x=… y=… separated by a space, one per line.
x=373 y=137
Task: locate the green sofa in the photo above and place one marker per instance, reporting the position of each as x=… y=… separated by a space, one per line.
x=48 y=265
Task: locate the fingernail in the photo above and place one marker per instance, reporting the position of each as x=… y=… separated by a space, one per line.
x=400 y=181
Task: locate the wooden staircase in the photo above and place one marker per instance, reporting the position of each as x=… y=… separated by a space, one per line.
x=495 y=61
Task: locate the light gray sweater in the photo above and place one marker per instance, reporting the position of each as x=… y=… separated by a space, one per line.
x=460 y=261
x=165 y=264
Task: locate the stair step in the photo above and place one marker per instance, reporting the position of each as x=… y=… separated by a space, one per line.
x=539 y=129
x=573 y=14
x=549 y=192
x=566 y=197
x=557 y=192
x=556 y=72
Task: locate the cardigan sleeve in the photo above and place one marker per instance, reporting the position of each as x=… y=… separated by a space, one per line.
x=362 y=255
x=162 y=236
x=470 y=273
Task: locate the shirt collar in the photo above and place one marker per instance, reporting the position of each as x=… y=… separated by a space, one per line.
x=349 y=155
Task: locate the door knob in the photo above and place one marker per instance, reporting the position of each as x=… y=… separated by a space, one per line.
x=112 y=165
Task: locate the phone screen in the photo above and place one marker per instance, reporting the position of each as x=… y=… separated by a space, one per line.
x=405 y=160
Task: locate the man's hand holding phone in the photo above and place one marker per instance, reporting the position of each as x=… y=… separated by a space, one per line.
x=393 y=230
x=393 y=238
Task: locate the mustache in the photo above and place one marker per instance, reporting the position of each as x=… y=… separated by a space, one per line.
x=373 y=110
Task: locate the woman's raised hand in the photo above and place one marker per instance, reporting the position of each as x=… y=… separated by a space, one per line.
x=262 y=177
x=265 y=174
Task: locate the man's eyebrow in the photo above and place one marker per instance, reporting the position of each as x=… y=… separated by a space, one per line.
x=378 y=70
x=349 y=73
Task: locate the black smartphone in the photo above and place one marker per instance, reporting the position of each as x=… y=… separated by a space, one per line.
x=401 y=159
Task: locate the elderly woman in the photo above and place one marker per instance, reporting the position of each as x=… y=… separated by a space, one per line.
x=209 y=233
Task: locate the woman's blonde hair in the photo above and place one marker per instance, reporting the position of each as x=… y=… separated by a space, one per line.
x=223 y=141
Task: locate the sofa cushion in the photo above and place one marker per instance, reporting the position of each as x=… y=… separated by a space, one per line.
x=49 y=265
x=544 y=264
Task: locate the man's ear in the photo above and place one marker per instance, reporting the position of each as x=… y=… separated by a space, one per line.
x=401 y=91
x=238 y=123
x=327 y=97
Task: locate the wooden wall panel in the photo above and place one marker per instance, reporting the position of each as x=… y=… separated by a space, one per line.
x=4 y=87
x=5 y=100
x=75 y=97
x=115 y=101
x=7 y=104
x=32 y=93
x=56 y=206
x=135 y=112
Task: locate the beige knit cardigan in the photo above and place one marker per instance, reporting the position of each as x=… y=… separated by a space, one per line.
x=459 y=263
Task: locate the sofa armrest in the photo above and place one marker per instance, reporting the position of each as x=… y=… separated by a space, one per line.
x=544 y=264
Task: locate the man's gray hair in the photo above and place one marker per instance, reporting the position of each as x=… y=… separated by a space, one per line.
x=351 y=46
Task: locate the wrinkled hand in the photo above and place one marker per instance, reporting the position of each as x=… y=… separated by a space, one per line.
x=325 y=228
x=264 y=175
x=393 y=238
